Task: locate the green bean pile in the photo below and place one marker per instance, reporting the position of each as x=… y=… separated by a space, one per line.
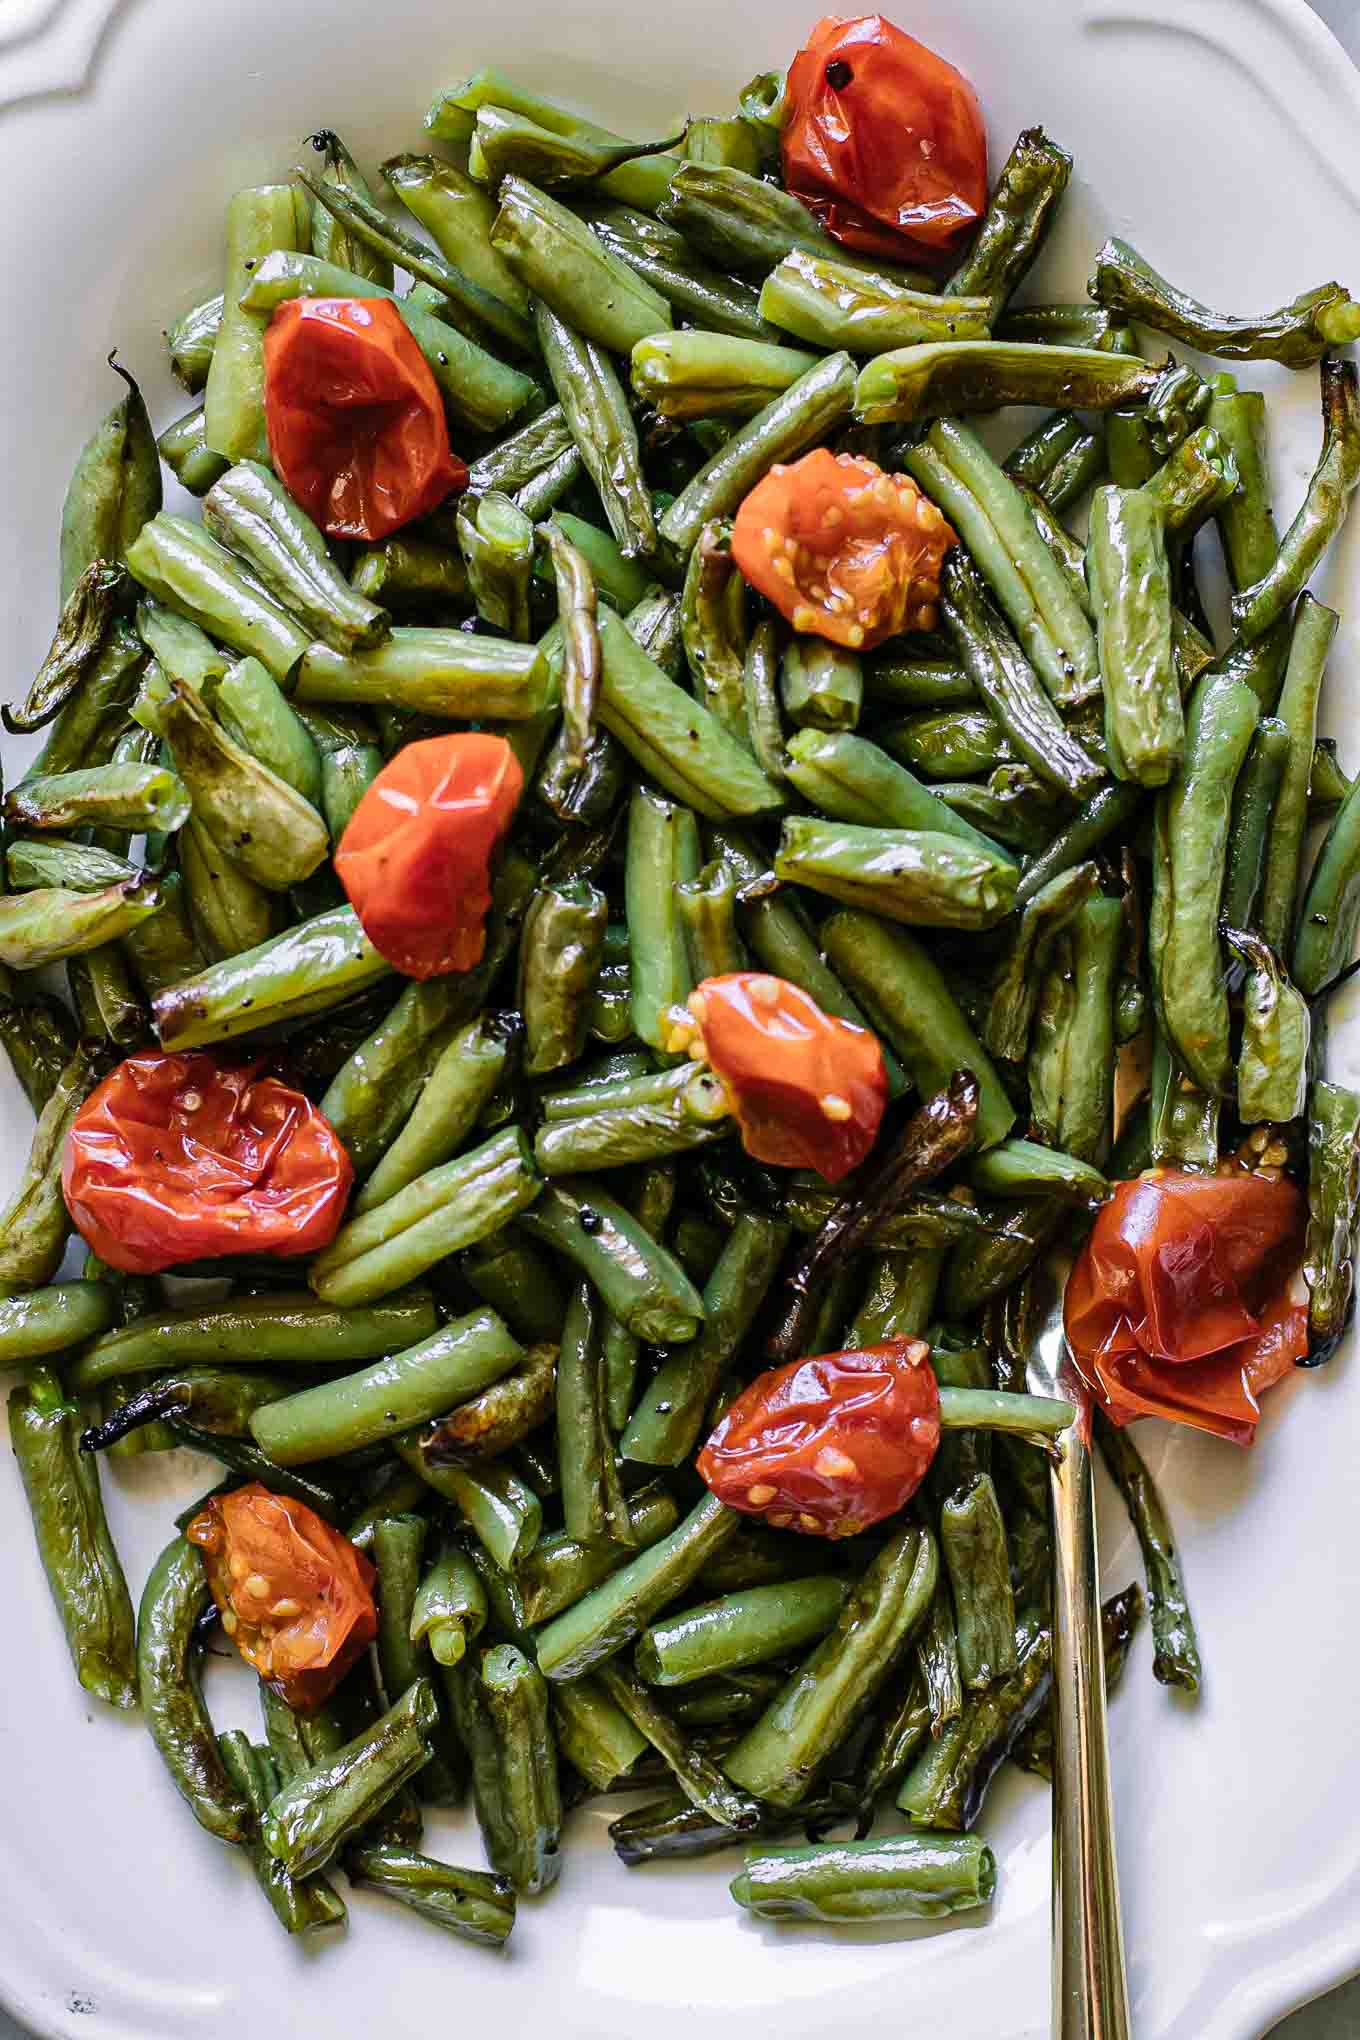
x=1067 y=825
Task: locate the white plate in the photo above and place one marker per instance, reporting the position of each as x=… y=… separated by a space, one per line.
x=1221 y=136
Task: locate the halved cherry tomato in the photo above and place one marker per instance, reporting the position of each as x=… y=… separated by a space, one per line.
x=354 y=417
x=842 y=549
x=295 y=1596
x=829 y=1445
x=807 y=1090
x=1179 y=1304
x=416 y=857
x=178 y=1158
x=883 y=141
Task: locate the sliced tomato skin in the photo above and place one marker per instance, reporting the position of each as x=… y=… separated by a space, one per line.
x=831 y=1444
x=883 y=140
x=416 y=859
x=1180 y=1304
x=181 y=1157
x=844 y=550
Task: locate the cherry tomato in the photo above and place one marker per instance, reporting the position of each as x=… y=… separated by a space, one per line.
x=354 y=417
x=829 y=1445
x=807 y=1090
x=842 y=549
x=179 y=1158
x=1179 y=1304
x=416 y=857
x=883 y=141
x=295 y=1596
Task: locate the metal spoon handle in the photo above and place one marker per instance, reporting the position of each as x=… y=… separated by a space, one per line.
x=1090 y=1988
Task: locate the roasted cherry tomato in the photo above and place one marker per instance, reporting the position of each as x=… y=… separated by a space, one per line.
x=179 y=1158
x=354 y=416
x=295 y=1596
x=842 y=549
x=883 y=140
x=1179 y=1305
x=416 y=857
x=807 y=1090
x=832 y=1444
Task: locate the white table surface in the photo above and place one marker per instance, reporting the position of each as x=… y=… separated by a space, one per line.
x=1337 y=2016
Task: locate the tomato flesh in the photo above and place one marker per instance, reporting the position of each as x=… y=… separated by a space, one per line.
x=1180 y=1304
x=831 y=1444
x=416 y=858
x=884 y=141
x=807 y=1089
x=354 y=417
x=179 y=1158
x=844 y=550
x=295 y=1596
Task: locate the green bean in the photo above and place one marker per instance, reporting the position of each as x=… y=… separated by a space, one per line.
x=107 y=1002
x=229 y=914
x=760 y=690
x=114 y=489
x=1333 y=1189
x=501 y=1709
x=833 y=304
x=713 y=375
x=744 y=223
x=708 y=910
x=1297 y=335
x=457 y=213
x=350 y=762
x=61 y=1485
x=450 y=1100
x=212 y=1398
x=1310 y=642
x=87 y=616
x=616 y=1610
x=821 y=685
x=663 y=853
x=560 y=952
x=949 y=743
x=666 y=1424
x=299 y=1907
x=499 y=1417
x=698 y=1777
x=75 y=867
x=1330 y=911
x=681 y=1116
x=1063 y=325
x=254 y=711
x=175 y=1595
x=474 y=1905
x=1105 y=813
x=1256 y=608
x=1253 y=822
x=1131 y=590
x=708 y=298
x=641 y=1282
x=503 y=1512
x=505 y=142
x=947 y=1783
x=1039 y=455
x=396 y=1549
x=560 y=1569
x=184 y=449
x=496 y=540
x=436 y=672
x=974 y=1275
x=34 y=1225
x=1085 y=1120
x=411 y=573
x=714 y=630
x=447 y=1208
x=39 y=1036
x=937 y=1658
x=1014 y=989
x=1176 y=1659
x=594 y=1734
x=593 y=1504
x=129 y=798
x=617 y=578
x=306 y=970
x=1272 y=1066
x=449 y=1610
x=1246 y=522
x=1183 y=1120
x=87 y=725
x=270 y=217
x=190 y=340
x=898 y=1297
x=1019 y=213
x=1188 y=870
x=943 y=378
x=571 y=273
x=801 y=415
x=267 y=829
x=743 y=1629
x=320 y=1809
x=181 y=564
x=1328 y=785
x=252 y=513
x=510 y=1274
x=1198 y=477
x=602 y=426
x=575 y=587
x=915 y=876
x=906 y=994
x=480 y=391
x=896 y=1877
x=779 y=1758
x=973 y=1544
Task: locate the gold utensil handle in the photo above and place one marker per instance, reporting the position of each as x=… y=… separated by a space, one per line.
x=1090 y=1987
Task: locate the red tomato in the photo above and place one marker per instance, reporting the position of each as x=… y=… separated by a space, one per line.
x=883 y=140
x=842 y=549
x=832 y=1444
x=354 y=417
x=807 y=1090
x=295 y=1596
x=416 y=857
x=176 y=1158
x=1179 y=1305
